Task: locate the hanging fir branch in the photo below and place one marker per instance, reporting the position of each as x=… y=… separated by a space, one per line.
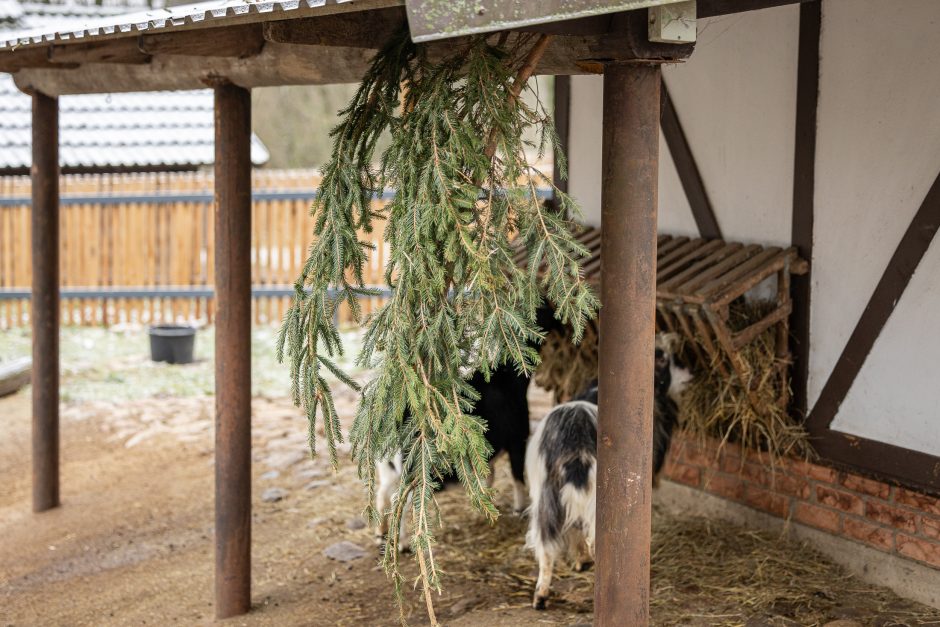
x=465 y=196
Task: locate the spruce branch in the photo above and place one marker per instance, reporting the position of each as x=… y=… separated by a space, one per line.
x=465 y=199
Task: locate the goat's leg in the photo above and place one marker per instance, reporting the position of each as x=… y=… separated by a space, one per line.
x=546 y=564
x=517 y=463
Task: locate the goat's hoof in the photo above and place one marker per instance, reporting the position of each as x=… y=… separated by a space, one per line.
x=539 y=602
x=580 y=567
x=405 y=550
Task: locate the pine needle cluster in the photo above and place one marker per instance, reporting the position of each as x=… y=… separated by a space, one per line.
x=465 y=201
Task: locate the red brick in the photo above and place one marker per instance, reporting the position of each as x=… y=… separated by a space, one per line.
x=790 y=485
x=756 y=473
x=921 y=550
x=924 y=503
x=837 y=499
x=891 y=516
x=765 y=500
x=814 y=471
x=683 y=473
x=876 y=536
x=815 y=516
x=727 y=486
x=930 y=527
x=730 y=463
x=865 y=486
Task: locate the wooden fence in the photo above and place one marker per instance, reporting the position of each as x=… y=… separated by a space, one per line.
x=139 y=248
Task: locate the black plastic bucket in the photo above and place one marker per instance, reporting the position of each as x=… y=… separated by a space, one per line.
x=172 y=343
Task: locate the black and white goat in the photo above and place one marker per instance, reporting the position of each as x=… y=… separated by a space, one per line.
x=561 y=466
x=504 y=407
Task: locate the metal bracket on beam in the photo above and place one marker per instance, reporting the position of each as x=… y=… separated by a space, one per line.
x=673 y=23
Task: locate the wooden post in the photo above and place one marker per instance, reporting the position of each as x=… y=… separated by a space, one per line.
x=232 y=351
x=627 y=327
x=45 y=302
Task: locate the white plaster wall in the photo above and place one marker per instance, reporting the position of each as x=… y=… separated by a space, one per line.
x=736 y=99
x=878 y=151
x=584 y=162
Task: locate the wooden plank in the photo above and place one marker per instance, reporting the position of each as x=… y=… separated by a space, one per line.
x=349 y=29
x=692 y=285
x=746 y=336
x=240 y=42
x=737 y=273
x=117 y=51
x=669 y=246
x=689 y=175
x=667 y=286
x=670 y=268
x=752 y=279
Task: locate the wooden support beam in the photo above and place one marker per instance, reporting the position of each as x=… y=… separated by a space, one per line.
x=343 y=29
x=562 y=119
x=239 y=42
x=115 y=51
x=689 y=175
x=44 y=312
x=804 y=191
x=189 y=59
x=36 y=57
x=630 y=166
x=232 y=351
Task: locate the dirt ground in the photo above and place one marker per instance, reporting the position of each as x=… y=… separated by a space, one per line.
x=133 y=542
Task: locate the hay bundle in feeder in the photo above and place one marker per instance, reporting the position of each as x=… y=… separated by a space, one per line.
x=749 y=409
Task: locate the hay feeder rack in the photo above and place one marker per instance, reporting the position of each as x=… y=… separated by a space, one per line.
x=696 y=282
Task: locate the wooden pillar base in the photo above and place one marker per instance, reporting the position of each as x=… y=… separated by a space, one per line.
x=45 y=302
x=627 y=332
x=232 y=351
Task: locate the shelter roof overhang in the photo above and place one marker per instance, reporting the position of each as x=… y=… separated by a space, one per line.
x=293 y=42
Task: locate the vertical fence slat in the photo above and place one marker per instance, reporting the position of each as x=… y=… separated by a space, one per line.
x=161 y=244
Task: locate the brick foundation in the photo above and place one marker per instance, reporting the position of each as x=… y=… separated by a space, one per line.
x=879 y=515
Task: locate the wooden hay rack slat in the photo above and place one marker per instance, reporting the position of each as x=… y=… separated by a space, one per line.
x=696 y=282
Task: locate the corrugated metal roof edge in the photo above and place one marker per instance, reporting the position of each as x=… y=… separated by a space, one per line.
x=228 y=11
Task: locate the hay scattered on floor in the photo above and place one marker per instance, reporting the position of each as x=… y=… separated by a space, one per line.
x=704 y=572
x=749 y=411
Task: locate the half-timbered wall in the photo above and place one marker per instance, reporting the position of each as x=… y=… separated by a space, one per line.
x=877 y=154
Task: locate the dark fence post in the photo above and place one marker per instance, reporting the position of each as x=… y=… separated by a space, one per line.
x=627 y=327
x=232 y=351
x=45 y=302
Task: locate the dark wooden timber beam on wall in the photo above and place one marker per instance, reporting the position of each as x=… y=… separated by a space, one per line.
x=804 y=190
x=562 y=119
x=884 y=299
x=688 y=171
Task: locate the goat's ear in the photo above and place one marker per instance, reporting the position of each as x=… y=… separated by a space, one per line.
x=669 y=342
